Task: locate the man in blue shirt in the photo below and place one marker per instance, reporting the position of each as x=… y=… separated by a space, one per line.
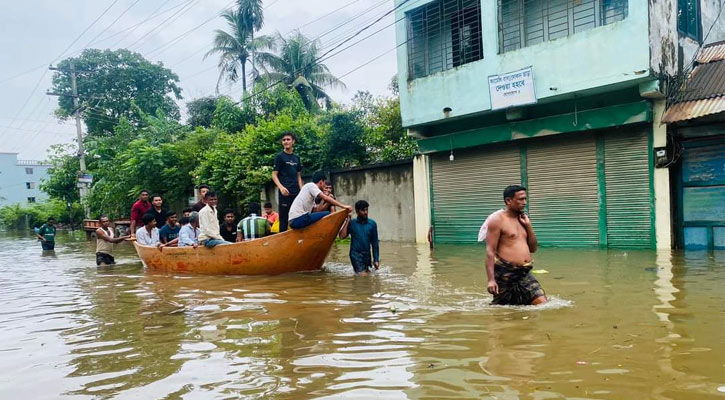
x=169 y=233
x=364 y=235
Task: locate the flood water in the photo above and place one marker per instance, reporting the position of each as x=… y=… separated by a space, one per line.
x=621 y=325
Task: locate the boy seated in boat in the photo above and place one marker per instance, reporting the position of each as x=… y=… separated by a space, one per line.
x=300 y=214
x=254 y=226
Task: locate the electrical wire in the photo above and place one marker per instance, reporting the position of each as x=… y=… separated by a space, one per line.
x=111 y=24
x=187 y=6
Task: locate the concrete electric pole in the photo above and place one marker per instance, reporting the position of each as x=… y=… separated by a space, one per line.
x=82 y=178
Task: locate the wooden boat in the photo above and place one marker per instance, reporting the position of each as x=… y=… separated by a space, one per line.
x=292 y=251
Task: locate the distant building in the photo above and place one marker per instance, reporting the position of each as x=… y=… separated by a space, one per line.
x=565 y=97
x=20 y=180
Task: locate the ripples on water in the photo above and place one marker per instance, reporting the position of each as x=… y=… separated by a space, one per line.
x=621 y=325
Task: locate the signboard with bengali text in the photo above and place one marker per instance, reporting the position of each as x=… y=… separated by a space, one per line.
x=512 y=89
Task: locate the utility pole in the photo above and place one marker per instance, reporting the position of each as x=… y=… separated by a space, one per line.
x=82 y=181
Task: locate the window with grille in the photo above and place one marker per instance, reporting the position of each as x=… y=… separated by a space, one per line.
x=28 y=171
x=442 y=35
x=524 y=23
x=31 y=199
x=30 y=185
x=688 y=18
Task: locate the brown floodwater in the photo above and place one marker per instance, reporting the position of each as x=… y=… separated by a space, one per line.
x=621 y=325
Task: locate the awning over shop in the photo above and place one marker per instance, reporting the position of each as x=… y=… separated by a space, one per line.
x=703 y=93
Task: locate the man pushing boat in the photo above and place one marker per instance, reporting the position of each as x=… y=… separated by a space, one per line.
x=510 y=240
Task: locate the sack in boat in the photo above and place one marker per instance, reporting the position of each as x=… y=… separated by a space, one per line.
x=484 y=228
x=275 y=226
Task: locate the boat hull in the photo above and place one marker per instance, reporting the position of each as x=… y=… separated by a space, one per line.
x=292 y=251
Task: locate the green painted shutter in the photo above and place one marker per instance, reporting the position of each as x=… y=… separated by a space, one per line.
x=468 y=189
x=563 y=191
x=629 y=208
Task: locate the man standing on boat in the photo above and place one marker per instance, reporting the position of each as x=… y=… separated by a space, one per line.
x=138 y=210
x=104 y=242
x=300 y=214
x=287 y=175
x=510 y=240
x=209 y=234
x=364 y=234
x=157 y=211
x=200 y=204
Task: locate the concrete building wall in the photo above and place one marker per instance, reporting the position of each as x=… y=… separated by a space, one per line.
x=387 y=187
x=670 y=50
x=14 y=180
x=389 y=190
x=604 y=56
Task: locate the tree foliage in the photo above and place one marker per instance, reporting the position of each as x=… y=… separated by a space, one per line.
x=115 y=84
x=297 y=65
x=201 y=111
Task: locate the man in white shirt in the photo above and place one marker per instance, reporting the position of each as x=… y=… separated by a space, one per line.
x=189 y=233
x=148 y=234
x=209 y=234
x=300 y=214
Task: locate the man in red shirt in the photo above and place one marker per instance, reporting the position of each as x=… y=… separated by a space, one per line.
x=139 y=208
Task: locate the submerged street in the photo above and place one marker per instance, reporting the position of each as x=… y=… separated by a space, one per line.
x=621 y=325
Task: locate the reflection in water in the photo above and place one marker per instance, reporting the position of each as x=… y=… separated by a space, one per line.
x=621 y=324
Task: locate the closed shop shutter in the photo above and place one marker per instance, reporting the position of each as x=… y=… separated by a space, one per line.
x=627 y=182
x=563 y=191
x=702 y=211
x=468 y=189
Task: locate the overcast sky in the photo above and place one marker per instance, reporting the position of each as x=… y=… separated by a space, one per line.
x=35 y=33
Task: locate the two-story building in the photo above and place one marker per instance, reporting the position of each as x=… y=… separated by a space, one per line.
x=20 y=180
x=562 y=96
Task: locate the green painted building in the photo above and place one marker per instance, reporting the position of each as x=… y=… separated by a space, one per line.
x=562 y=96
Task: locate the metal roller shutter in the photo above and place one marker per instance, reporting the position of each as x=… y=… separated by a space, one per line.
x=467 y=190
x=563 y=191
x=627 y=182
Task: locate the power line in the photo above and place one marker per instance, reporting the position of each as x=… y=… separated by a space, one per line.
x=85 y=30
x=179 y=37
x=187 y=6
x=111 y=24
x=133 y=28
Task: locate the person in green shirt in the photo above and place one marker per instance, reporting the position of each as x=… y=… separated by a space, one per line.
x=254 y=226
x=46 y=234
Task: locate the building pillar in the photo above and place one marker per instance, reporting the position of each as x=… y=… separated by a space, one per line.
x=661 y=178
x=421 y=196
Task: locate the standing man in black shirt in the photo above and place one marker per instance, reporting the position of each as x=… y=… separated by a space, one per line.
x=287 y=176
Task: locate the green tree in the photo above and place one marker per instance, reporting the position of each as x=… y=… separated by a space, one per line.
x=298 y=66
x=62 y=182
x=344 y=142
x=235 y=47
x=201 y=111
x=109 y=83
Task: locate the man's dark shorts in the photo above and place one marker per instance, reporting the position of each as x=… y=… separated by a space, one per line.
x=516 y=284
x=103 y=258
x=361 y=262
x=47 y=246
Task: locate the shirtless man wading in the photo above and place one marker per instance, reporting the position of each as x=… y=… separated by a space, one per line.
x=509 y=243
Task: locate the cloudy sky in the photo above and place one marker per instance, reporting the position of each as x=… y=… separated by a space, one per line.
x=35 y=33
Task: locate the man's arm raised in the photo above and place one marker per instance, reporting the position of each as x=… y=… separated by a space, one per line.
x=492 y=237
x=333 y=201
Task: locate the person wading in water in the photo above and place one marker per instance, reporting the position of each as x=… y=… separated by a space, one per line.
x=509 y=243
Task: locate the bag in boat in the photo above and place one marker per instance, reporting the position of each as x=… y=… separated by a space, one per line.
x=484 y=228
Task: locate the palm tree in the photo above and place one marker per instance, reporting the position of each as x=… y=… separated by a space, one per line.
x=236 y=47
x=298 y=66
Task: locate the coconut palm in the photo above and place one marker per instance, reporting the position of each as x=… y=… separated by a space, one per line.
x=236 y=47
x=298 y=65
